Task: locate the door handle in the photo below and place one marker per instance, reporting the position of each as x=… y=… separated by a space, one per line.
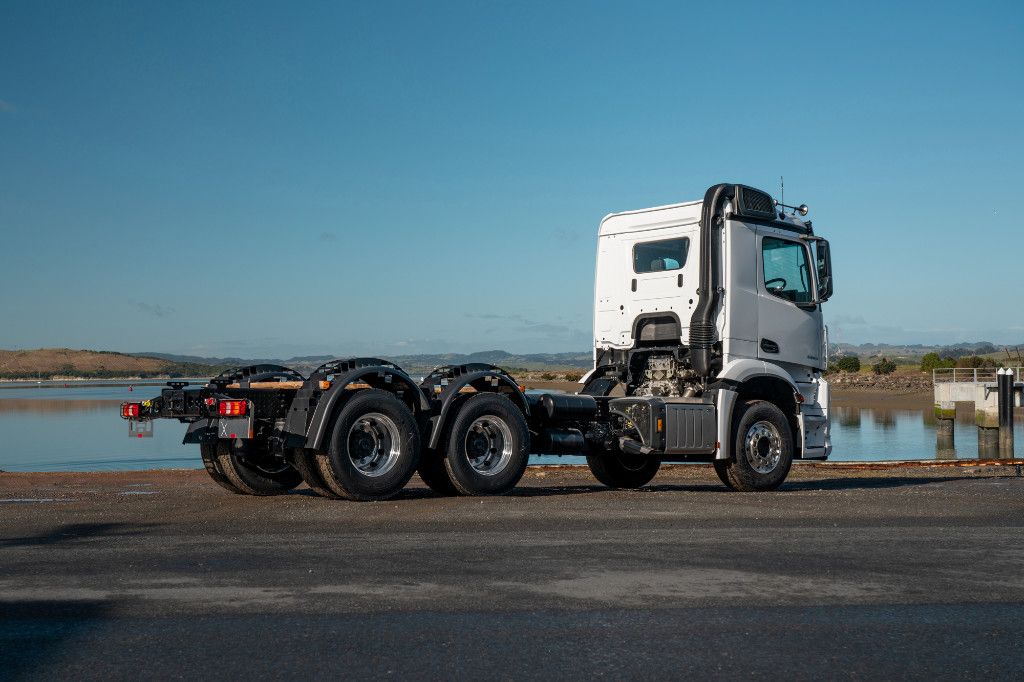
x=769 y=346
x=634 y=284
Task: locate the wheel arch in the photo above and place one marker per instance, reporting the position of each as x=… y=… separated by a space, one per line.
x=756 y=380
x=445 y=385
x=342 y=374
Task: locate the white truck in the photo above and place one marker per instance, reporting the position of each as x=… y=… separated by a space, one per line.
x=709 y=345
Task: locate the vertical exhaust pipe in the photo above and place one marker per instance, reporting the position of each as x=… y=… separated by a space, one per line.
x=702 y=326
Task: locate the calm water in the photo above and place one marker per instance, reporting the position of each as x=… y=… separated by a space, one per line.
x=79 y=429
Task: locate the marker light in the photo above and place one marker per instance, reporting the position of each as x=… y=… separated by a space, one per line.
x=232 y=408
x=130 y=410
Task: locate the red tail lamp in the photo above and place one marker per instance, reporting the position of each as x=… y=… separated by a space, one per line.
x=232 y=408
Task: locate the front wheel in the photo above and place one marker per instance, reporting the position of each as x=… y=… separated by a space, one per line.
x=762 y=448
x=620 y=470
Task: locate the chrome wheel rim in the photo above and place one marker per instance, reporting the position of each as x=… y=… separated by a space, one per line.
x=374 y=444
x=488 y=445
x=763 y=447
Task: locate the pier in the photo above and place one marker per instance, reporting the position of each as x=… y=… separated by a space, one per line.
x=993 y=393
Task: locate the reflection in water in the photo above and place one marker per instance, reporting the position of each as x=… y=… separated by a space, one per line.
x=848 y=417
x=887 y=434
x=49 y=406
x=884 y=419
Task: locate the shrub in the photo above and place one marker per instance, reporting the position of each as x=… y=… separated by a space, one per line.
x=573 y=376
x=932 y=361
x=548 y=376
x=884 y=366
x=976 y=362
x=847 y=363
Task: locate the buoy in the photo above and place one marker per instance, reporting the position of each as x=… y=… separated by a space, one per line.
x=131 y=388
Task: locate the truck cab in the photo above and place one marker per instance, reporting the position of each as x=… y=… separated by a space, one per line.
x=720 y=301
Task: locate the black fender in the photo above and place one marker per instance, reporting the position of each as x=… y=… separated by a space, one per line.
x=444 y=384
x=200 y=431
x=254 y=373
x=313 y=408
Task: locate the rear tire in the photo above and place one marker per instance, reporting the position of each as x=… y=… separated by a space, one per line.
x=305 y=463
x=488 y=446
x=255 y=479
x=623 y=471
x=374 y=447
x=762 y=448
x=434 y=473
x=208 y=451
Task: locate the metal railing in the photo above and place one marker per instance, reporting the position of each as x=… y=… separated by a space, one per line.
x=966 y=375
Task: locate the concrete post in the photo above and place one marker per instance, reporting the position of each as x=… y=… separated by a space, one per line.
x=1006 y=412
x=945 y=413
x=986 y=416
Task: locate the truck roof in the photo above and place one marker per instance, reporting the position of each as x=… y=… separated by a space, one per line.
x=677 y=214
x=648 y=218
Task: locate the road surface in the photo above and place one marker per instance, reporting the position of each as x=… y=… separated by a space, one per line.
x=916 y=572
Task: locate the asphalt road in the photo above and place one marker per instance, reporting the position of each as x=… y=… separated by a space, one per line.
x=843 y=573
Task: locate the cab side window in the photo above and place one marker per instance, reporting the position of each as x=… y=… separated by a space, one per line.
x=668 y=254
x=786 y=272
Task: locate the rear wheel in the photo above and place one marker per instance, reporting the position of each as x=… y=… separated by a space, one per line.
x=305 y=463
x=762 y=448
x=488 y=446
x=433 y=472
x=623 y=471
x=373 y=448
x=208 y=451
x=255 y=472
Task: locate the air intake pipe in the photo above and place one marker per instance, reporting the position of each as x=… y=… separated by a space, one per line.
x=702 y=325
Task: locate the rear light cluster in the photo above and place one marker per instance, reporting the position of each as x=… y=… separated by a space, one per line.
x=130 y=410
x=232 y=408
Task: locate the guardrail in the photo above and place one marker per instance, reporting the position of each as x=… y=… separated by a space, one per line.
x=967 y=375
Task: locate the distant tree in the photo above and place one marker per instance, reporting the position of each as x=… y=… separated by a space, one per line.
x=884 y=366
x=975 y=362
x=932 y=361
x=847 y=363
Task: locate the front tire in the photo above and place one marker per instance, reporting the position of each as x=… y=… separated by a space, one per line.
x=762 y=448
x=263 y=475
x=374 y=447
x=488 y=446
x=623 y=471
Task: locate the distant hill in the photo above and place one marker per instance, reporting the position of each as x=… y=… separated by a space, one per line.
x=61 y=363
x=414 y=364
x=1007 y=352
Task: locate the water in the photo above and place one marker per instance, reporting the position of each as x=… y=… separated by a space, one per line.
x=79 y=429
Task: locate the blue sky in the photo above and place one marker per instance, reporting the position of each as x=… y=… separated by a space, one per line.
x=260 y=179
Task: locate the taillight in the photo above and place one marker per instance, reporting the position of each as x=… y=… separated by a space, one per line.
x=232 y=408
x=129 y=410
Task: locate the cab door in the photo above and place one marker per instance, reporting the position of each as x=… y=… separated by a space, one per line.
x=789 y=317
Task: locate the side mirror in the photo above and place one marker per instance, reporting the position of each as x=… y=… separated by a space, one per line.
x=823 y=261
